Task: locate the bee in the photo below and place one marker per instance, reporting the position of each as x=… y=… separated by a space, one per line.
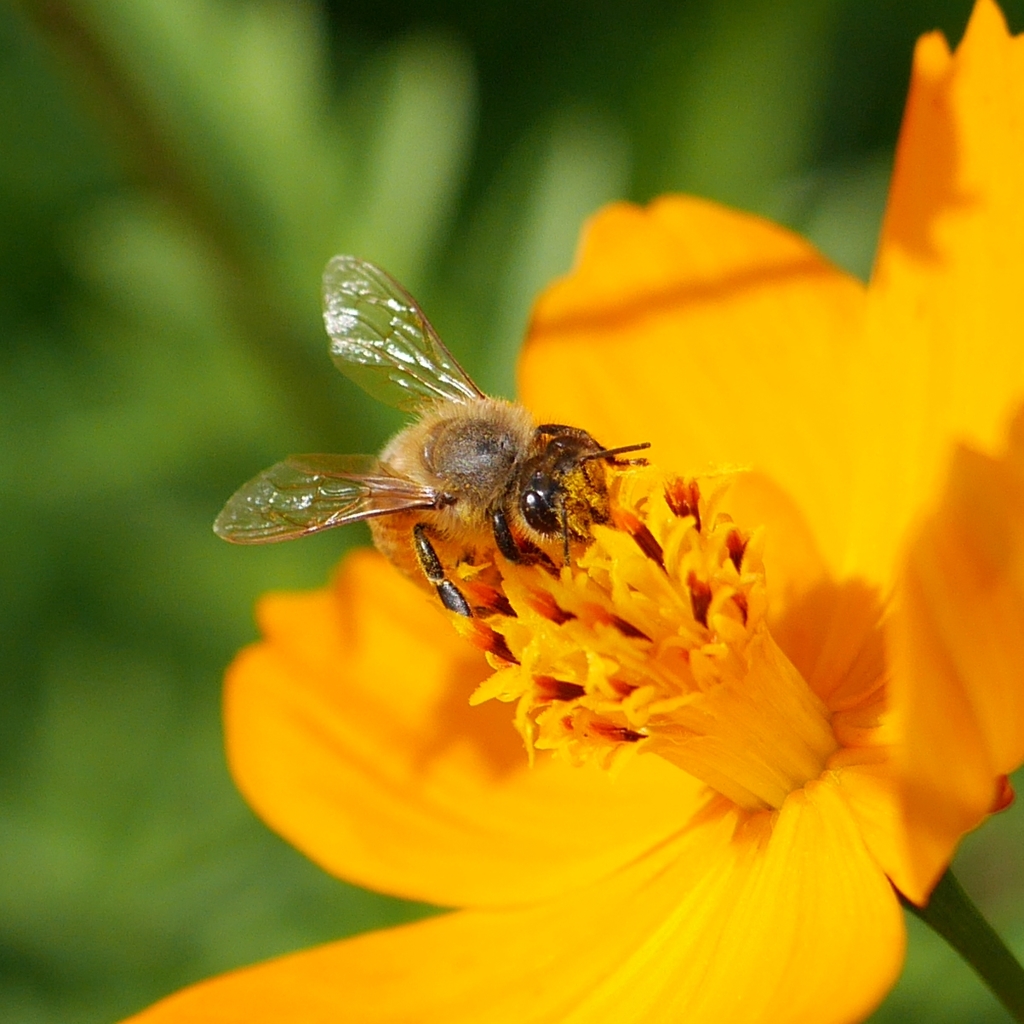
x=470 y=474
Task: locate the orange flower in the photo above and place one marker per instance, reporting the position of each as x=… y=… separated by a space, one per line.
x=824 y=642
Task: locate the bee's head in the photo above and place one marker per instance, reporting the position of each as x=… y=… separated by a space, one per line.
x=562 y=489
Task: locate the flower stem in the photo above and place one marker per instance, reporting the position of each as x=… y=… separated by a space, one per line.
x=951 y=913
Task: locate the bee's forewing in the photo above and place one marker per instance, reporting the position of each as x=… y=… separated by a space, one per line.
x=382 y=341
x=308 y=493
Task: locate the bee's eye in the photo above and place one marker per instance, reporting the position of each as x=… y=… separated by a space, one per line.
x=539 y=507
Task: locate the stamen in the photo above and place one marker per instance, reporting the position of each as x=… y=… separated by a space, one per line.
x=617 y=733
x=683 y=497
x=627 y=628
x=550 y=688
x=489 y=601
x=700 y=598
x=736 y=544
x=544 y=604
x=653 y=639
x=490 y=642
x=645 y=540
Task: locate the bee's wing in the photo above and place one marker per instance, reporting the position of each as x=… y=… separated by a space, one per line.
x=308 y=493
x=382 y=341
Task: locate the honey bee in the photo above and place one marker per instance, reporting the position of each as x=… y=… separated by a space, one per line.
x=470 y=474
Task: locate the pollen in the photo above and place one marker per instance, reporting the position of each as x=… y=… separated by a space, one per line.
x=653 y=639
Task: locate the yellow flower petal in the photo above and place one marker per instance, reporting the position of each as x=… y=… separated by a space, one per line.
x=893 y=673
x=958 y=646
x=943 y=358
x=744 y=920
x=720 y=338
x=349 y=730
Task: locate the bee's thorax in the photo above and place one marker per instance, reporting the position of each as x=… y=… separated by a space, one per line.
x=468 y=453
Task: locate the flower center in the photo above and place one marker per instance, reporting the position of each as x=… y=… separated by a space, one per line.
x=654 y=639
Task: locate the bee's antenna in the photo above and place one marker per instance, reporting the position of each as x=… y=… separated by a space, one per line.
x=608 y=452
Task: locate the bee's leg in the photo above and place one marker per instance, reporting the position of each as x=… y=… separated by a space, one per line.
x=503 y=536
x=522 y=551
x=451 y=596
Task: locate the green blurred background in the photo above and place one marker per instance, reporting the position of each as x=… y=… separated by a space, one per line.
x=173 y=176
